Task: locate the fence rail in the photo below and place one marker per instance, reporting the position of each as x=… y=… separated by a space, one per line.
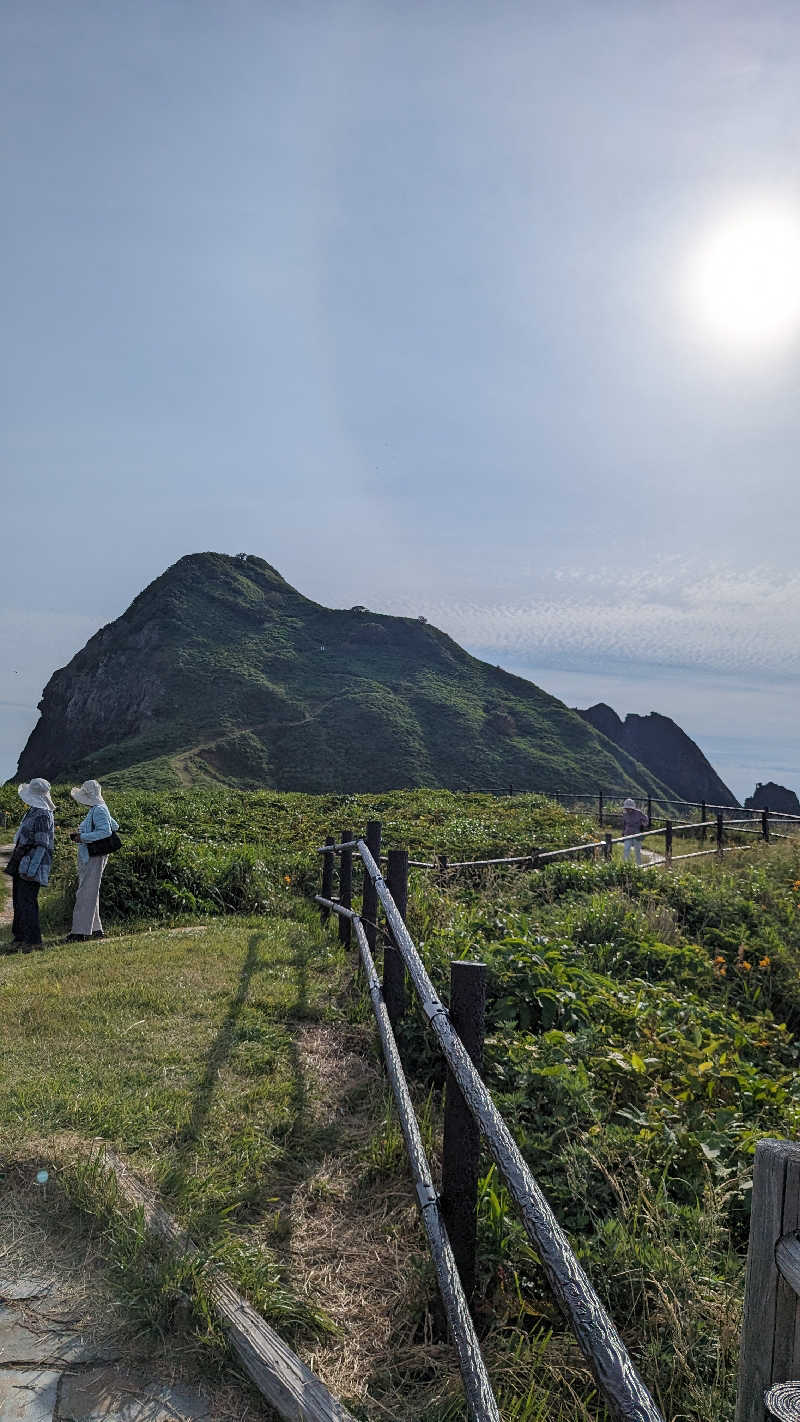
x=771 y=1325
x=537 y=857
x=624 y=1392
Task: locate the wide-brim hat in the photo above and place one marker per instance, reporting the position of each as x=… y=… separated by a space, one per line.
x=36 y=793
x=89 y=793
x=629 y=804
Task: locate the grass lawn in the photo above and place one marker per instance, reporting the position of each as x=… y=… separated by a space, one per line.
x=179 y=1047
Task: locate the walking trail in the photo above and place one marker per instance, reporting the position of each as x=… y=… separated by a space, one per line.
x=6 y=910
x=69 y=1351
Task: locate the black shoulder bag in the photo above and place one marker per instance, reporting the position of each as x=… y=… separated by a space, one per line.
x=109 y=845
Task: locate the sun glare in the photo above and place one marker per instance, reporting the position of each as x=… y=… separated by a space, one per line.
x=745 y=278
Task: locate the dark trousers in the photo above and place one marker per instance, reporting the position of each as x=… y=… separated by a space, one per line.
x=25 y=928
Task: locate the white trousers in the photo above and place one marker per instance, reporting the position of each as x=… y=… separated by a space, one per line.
x=86 y=914
x=633 y=843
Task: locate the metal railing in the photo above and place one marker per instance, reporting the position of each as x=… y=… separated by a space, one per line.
x=624 y=1392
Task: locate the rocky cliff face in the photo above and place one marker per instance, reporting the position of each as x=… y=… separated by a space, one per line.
x=666 y=750
x=773 y=797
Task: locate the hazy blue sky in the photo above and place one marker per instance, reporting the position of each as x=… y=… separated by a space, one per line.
x=399 y=297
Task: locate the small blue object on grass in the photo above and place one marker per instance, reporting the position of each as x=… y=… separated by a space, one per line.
x=42 y=1177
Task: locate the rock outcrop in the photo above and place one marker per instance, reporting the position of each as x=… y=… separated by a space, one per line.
x=666 y=750
x=773 y=797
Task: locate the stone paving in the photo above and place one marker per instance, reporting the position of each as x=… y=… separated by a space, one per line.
x=51 y=1370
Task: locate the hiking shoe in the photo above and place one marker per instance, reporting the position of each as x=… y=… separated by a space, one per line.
x=98 y=933
x=75 y=938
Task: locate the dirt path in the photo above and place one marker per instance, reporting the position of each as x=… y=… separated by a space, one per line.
x=69 y=1346
x=6 y=910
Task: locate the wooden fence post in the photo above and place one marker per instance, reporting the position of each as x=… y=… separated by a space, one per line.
x=600 y=809
x=369 y=902
x=668 y=841
x=765 y=824
x=607 y=846
x=770 y=1350
x=441 y=865
x=703 y=818
x=649 y=812
x=720 y=832
x=511 y=789
x=345 y=888
x=327 y=877
x=394 y=974
x=462 y=1139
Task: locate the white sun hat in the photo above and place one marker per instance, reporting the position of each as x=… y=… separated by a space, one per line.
x=629 y=804
x=37 y=794
x=89 y=793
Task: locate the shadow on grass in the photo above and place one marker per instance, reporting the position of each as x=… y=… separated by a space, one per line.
x=217 y=1057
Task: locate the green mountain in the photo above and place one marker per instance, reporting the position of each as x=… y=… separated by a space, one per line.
x=221 y=671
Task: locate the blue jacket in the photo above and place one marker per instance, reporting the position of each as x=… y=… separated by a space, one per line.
x=98 y=824
x=37 y=829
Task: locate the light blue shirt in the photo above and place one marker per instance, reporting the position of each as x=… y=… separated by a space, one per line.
x=98 y=825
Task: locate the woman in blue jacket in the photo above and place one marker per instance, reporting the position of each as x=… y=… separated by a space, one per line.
x=33 y=856
x=98 y=824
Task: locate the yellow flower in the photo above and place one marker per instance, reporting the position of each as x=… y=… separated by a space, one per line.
x=763 y=962
x=746 y=966
x=287 y=878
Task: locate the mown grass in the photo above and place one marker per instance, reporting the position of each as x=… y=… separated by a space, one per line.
x=180 y=1049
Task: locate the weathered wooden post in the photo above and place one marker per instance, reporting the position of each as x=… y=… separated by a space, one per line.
x=703 y=818
x=720 y=833
x=668 y=841
x=369 y=902
x=600 y=809
x=345 y=887
x=327 y=877
x=462 y=1140
x=441 y=867
x=765 y=824
x=607 y=851
x=394 y=973
x=770 y=1350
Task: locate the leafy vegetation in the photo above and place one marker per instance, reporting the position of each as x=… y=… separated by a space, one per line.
x=642 y=1036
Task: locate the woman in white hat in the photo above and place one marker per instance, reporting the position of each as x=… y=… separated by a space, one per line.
x=633 y=822
x=98 y=824
x=30 y=862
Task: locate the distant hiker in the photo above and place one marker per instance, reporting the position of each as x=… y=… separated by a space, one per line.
x=98 y=825
x=633 y=822
x=30 y=862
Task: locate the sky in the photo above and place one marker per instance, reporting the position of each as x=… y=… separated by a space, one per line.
x=439 y=308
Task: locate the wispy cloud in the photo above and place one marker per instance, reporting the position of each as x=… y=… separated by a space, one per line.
x=721 y=619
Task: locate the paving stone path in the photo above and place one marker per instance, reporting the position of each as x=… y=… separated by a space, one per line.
x=52 y=1371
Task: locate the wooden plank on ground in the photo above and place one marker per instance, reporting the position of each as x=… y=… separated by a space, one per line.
x=283 y=1379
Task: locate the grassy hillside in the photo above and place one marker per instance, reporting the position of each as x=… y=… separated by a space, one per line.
x=642 y=1037
x=220 y=672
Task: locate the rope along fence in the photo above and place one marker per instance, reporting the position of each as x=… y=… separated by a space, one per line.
x=623 y=1390
x=770 y=1351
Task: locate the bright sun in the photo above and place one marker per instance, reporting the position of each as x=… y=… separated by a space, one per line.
x=745 y=278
